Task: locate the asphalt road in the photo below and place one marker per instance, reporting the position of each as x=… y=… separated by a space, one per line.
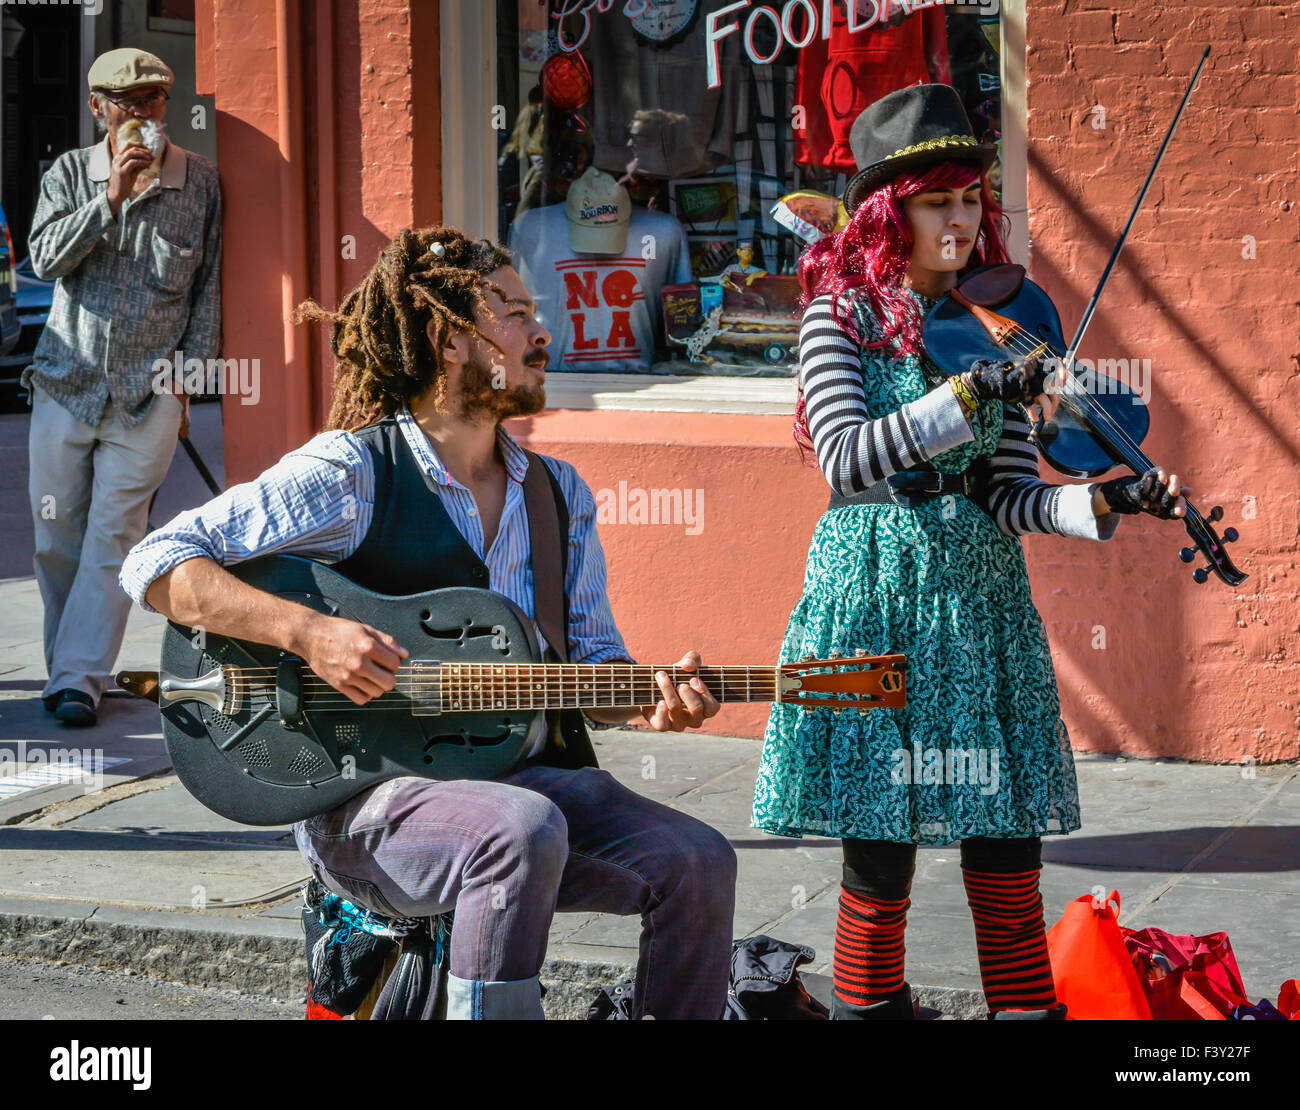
x=33 y=990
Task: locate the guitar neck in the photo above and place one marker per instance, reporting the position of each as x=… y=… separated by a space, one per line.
x=480 y=686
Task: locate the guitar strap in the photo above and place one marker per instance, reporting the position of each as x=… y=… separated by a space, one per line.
x=571 y=745
x=546 y=554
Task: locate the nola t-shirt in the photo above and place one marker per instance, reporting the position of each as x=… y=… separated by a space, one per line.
x=600 y=309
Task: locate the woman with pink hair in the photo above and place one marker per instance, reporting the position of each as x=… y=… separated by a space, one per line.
x=933 y=480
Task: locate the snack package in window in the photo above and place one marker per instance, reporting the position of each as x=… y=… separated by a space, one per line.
x=810 y=215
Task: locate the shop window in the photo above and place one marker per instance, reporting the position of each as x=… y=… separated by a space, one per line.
x=647 y=156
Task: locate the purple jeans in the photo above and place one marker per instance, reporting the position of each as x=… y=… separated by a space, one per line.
x=506 y=854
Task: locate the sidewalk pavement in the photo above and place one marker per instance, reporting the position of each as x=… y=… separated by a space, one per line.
x=137 y=875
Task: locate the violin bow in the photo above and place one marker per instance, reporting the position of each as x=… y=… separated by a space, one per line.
x=1068 y=360
x=1196 y=525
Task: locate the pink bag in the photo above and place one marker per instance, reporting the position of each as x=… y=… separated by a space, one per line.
x=1185 y=976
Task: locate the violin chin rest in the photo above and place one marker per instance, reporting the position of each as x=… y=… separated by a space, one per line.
x=992 y=285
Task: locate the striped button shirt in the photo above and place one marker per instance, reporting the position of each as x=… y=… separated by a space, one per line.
x=855 y=452
x=318 y=502
x=132 y=289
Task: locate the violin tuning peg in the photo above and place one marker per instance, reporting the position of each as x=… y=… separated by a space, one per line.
x=1187 y=554
x=1200 y=574
x=1230 y=535
x=1216 y=513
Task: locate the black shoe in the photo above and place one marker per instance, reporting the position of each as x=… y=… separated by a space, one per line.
x=897 y=1006
x=1056 y=1013
x=51 y=701
x=75 y=708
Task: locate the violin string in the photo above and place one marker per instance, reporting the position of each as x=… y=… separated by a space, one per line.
x=1071 y=386
x=1193 y=515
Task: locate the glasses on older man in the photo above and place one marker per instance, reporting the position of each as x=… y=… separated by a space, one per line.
x=147 y=102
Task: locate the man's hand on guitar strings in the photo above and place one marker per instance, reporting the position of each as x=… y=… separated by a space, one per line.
x=686 y=705
x=357 y=660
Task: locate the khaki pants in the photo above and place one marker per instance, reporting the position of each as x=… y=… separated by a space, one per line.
x=90 y=491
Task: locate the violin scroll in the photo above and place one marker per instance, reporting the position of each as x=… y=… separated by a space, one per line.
x=1208 y=542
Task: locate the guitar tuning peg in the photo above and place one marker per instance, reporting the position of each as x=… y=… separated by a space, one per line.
x=863 y=710
x=1187 y=554
x=859 y=653
x=835 y=655
x=1230 y=535
x=1216 y=513
x=809 y=658
x=1200 y=574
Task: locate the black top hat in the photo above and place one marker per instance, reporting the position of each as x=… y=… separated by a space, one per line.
x=907 y=130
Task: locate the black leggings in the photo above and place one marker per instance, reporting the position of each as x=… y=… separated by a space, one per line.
x=884 y=868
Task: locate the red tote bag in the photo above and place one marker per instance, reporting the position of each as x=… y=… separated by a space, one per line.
x=1288 y=999
x=1094 y=974
x=1187 y=978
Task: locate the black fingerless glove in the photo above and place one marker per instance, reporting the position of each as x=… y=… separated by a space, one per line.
x=1139 y=495
x=1006 y=381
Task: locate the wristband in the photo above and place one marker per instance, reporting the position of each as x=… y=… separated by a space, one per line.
x=964 y=395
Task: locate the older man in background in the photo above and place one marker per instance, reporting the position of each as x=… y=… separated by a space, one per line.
x=131 y=228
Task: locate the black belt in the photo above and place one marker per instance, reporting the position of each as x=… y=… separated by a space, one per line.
x=908 y=488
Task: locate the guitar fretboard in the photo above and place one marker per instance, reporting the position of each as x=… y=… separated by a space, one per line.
x=456 y=687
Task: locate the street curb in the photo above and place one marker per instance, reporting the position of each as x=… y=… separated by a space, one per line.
x=265 y=958
x=227 y=953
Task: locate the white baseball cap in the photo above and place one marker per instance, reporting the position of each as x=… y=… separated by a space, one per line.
x=599 y=212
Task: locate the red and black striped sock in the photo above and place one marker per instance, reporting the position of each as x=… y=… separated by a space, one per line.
x=868 y=962
x=1008 y=914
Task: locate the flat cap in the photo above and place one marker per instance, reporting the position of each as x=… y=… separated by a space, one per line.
x=128 y=68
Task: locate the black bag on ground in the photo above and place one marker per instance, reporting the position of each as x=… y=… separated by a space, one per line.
x=765 y=986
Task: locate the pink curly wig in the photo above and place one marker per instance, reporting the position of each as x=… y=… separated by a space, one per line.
x=872 y=253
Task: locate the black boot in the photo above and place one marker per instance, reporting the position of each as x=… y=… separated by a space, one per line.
x=896 y=1006
x=1056 y=1013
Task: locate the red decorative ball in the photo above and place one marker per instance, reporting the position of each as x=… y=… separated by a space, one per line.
x=566 y=81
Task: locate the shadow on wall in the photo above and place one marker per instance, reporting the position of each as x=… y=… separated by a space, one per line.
x=1180 y=447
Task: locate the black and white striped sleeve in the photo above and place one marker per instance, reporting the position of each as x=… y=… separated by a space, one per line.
x=854 y=451
x=1020 y=503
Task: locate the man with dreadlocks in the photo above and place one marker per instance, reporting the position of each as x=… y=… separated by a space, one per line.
x=436 y=347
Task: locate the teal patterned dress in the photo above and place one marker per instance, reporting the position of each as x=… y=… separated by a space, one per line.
x=980 y=748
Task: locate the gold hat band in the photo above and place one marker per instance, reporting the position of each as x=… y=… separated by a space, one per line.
x=932 y=144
